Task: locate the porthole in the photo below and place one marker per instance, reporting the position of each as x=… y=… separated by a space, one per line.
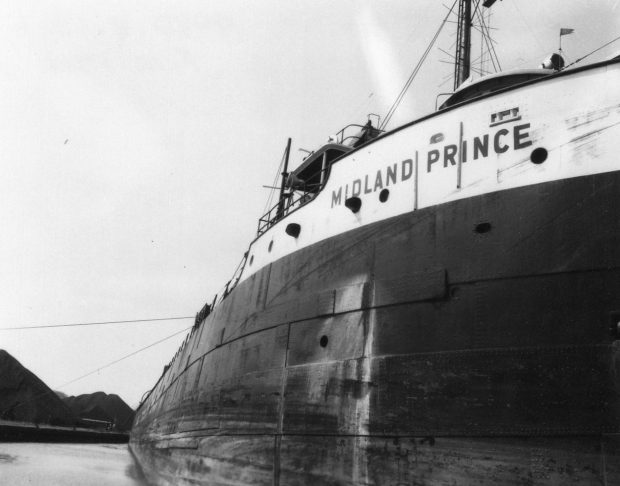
x=323 y=341
x=353 y=203
x=482 y=228
x=384 y=195
x=539 y=155
x=293 y=229
x=270 y=246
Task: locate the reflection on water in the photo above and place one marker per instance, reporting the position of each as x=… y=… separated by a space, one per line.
x=134 y=472
x=68 y=464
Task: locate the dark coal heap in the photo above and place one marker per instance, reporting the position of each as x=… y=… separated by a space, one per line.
x=25 y=398
x=102 y=407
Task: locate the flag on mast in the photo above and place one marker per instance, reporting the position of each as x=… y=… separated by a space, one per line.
x=564 y=31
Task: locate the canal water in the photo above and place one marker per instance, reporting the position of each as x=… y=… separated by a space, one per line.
x=33 y=464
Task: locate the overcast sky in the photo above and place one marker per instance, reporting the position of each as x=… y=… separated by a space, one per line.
x=135 y=138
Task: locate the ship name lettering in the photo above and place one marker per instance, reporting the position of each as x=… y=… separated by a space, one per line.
x=500 y=141
x=391 y=174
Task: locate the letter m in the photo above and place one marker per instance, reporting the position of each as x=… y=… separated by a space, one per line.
x=336 y=197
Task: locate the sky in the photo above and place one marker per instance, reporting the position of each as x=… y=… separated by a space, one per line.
x=136 y=136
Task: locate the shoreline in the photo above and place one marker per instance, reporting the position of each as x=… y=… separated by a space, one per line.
x=28 y=432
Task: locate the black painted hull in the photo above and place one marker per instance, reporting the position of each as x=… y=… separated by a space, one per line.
x=454 y=352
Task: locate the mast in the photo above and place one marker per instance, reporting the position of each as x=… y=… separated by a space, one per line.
x=282 y=198
x=463 y=43
x=462 y=56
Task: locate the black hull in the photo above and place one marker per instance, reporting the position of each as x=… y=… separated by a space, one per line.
x=468 y=343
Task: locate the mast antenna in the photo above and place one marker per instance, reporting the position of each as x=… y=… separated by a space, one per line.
x=462 y=65
x=463 y=44
x=282 y=197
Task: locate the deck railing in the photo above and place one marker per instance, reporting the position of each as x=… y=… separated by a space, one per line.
x=290 y=201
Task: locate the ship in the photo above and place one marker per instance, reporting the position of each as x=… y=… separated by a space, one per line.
x=436 y=304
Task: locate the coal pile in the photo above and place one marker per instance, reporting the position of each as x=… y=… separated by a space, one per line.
x=101 y=407
x=25 y=398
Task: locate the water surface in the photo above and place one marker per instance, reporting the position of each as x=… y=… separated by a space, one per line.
x=33 y=464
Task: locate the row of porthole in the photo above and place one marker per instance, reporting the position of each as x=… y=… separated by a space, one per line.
x=293 y=229
x=538 y=156
x=354 y=203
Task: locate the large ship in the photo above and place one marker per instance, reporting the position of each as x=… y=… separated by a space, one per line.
x=436 y=304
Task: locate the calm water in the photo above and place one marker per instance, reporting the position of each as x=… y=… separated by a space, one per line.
x=36 y=464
